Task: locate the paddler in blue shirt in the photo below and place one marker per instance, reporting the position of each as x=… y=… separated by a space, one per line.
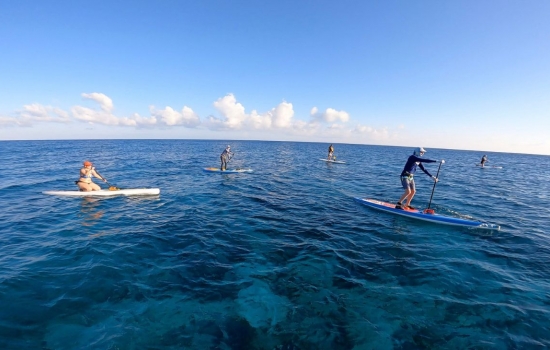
x=225 y=157
x=407 y=180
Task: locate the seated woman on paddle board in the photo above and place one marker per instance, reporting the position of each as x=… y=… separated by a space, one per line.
x=330 y=152
x=407 y=180
x=225 y=157
x=85 y=182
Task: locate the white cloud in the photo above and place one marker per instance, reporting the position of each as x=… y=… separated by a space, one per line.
x=282 y=115
x=279 y=117
x=232 y=111
x=336 y=127
x=94 y=116
x=35 y=113
x=277 y=123
x=104 y=101
x=12 y=121
x=144 y=121
x=372 y=133
x=38 y=113
x=233 y=116
x=330 y=115
x=171 y=117
x=260 y=121
x=167 y=116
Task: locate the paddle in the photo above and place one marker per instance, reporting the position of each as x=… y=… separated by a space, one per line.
x=428 y=210
x=230 y=156
x=111 y=186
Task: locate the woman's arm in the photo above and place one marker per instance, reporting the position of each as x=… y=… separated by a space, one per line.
x=94 y=173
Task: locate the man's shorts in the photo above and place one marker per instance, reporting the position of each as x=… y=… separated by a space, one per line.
x=408 y=182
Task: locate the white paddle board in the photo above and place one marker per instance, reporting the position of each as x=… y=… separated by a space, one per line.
x=489 y=166
x=332 y=161
x=228 y=171
x=107 y=193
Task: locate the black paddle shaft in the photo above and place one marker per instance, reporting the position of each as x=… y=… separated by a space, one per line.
x=102 y=178
x=435 y=183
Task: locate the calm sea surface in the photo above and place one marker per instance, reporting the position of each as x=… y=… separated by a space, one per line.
x=281 y=258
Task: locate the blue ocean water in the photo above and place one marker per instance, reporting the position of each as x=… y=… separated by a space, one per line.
x=282 y=258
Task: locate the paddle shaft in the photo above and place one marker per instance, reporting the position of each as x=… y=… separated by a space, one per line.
x=433 y=189
x=102 y=178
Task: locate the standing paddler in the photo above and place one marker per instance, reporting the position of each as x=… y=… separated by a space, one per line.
x=484 y=160
x=331 y=153
x=225 y=157
x=407 y=177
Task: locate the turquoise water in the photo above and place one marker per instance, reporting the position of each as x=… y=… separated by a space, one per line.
x=282 y=258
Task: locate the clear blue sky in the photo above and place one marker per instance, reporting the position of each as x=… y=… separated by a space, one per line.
x=446 y=74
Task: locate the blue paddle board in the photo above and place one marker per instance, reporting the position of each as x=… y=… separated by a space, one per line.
x=420 y=215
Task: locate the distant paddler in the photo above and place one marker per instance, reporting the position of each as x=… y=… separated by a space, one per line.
x=225 y=157
x=484 y=160
x=331 y=153
x=85 y=182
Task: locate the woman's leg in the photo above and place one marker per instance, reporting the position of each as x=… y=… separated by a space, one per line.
x=85 y=187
